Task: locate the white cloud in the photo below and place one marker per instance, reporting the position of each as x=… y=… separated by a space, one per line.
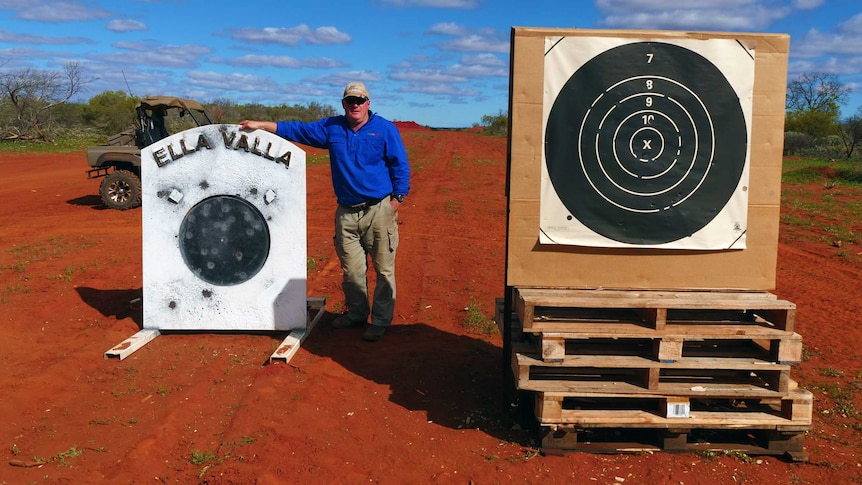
x=438 y=89
x=60 y=12
x=699 y=19
x=426 y=75
x=489 y=60
x=476 y=43
x=125 y=25
x=711 y=15
x=448 y=28
x=806 y=4
x=292 y=35
x=477 y=70
x=626 y=6
x=18 y=38
x=463 y=4
x=853 y=25
x=282 y=61
x=230 y=82
x=147 y=55
x=342 y=78
x=469 y=40
x=817 y=44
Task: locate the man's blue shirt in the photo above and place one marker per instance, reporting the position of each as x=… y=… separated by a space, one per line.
x=368 y=164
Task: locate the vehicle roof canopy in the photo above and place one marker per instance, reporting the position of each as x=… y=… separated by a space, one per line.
x=164 y=102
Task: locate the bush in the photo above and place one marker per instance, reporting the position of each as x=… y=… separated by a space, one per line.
x=795 y=142
x=496 y=125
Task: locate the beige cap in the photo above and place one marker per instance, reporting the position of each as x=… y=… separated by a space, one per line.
x=356 y=89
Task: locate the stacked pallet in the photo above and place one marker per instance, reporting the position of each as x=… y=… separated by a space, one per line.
x=687 y=366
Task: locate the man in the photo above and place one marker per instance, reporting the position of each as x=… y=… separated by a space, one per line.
x=371 y=177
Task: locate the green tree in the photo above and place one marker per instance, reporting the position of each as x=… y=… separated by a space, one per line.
x=496 y=125
x=851 y=133
x=223 y=110
x=814 y=101
x=111 y=111
x=814 y=123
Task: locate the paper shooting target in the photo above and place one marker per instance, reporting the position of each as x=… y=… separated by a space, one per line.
x=646 y=143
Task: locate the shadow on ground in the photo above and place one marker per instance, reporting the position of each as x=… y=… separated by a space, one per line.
x=119 y=304
x=93 y=201
x=456 y=379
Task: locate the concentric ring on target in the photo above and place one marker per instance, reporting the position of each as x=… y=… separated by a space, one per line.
x=646 y=143
x=224 y=240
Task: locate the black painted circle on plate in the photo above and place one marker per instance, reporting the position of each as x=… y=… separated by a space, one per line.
x=224 y=240
x=646 y=143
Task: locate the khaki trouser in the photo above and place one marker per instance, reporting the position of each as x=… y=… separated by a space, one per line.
x=359 y=233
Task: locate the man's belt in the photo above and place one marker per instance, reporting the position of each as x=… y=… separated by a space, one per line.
x=362 y=205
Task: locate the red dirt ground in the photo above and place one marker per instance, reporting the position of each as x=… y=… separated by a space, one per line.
x=421 y=406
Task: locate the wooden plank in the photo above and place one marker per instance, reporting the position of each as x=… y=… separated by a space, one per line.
x=549 y=408
x=670 y=349
x=636 y=411
x=784 y=319
x=290 y=345
x=635 y=362
x=133 y=343
x=646 y=419
x=651 y=379
x=553 y=348
x=652 y=307
x=633 y=330
x=779 y=346
x=799 y=407
x=557 y=439
x=624 y=389
x=555 y=292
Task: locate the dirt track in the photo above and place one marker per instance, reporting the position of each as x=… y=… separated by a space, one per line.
x=421 y=406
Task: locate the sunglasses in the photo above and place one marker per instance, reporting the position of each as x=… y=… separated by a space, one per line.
x=355 y=100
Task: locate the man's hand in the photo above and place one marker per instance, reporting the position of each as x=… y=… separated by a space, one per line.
x=251 y=125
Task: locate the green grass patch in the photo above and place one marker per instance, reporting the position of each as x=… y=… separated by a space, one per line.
x=318 y=159
x=827 y=214
x=475 y=320
x=452 y=207
x=201 y=457
x=63 y=144
x=828 y=172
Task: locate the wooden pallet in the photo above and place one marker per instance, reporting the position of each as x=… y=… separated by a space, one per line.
x=792 y=412
x=591 y=311
x=605 y=425
x=625 y=375
x=670 y=362
x=676 y=344
x=673 y=365
x=558 y=440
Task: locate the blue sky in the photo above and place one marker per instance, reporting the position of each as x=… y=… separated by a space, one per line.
x=442 y=63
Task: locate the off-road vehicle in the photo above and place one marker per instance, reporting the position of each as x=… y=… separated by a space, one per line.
x=120 y=160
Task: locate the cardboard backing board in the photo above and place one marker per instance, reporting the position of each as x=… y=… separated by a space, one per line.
x=529 y=263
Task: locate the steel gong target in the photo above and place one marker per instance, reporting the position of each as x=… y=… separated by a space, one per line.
x=224 y=240
x=646 y=143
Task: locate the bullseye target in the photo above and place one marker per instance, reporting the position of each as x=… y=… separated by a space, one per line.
x=646 y=143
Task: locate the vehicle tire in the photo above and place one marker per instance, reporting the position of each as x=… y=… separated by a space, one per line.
x=121 y=190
